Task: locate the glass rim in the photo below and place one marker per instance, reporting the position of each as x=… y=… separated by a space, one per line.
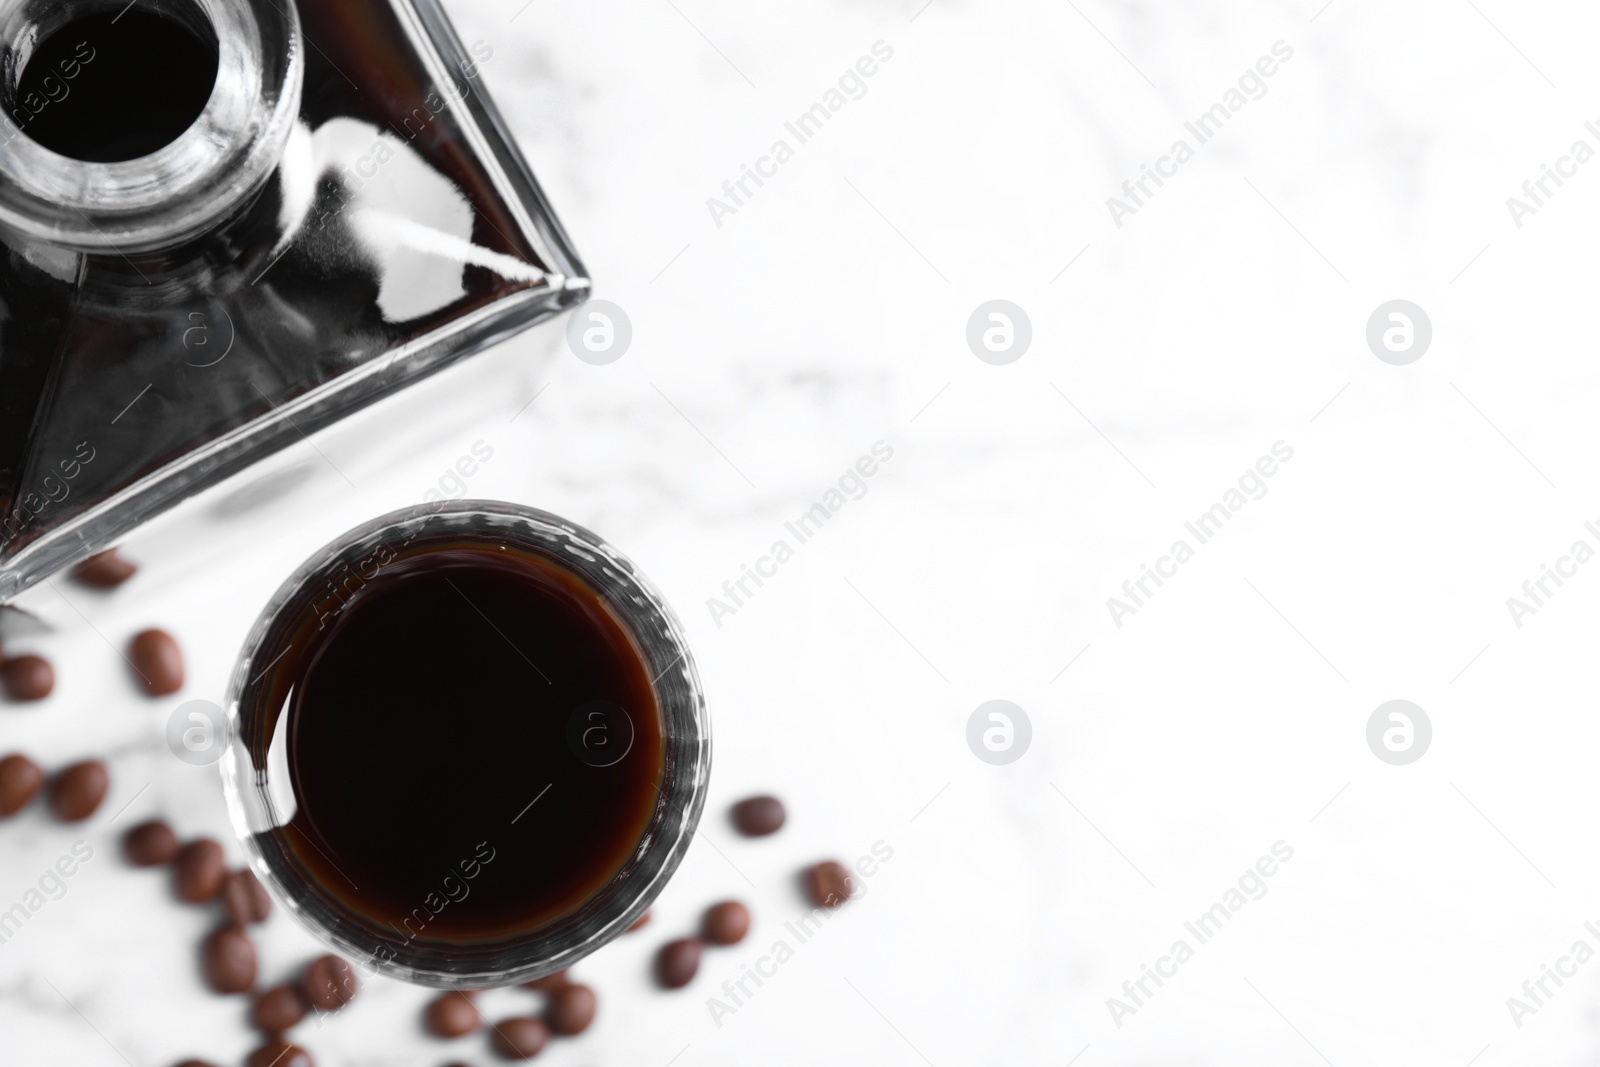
x=680 y=800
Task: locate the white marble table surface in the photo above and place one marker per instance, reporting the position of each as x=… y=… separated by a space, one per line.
x=828 y=313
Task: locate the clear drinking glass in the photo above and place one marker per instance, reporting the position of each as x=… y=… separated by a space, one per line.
x=261 y=797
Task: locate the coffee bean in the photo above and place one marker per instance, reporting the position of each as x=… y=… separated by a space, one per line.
x=571 y=1010
x=520 y=1038
x=150 y=844
x=330 y=983
x=278 y=1053
x=228 y=960
x=20 y=781
x=279 y=1008
x=157 y=661
x=549 y=983
x=640 y=921
x=76 y=792
x=244 y=898
x=726 y=923
x=198 y=871
x=677 y=962
x=451 y=1015
x=196 y=1063
x=829 y=884
x=27 y=677
x=104 y=570
x=759 y=816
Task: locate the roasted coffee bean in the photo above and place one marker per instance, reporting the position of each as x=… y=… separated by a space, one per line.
x=640 y=921
x=76 y=793
x=244 y=898
x=330 y=983
x=277 y=1053
x=104 y=570
x=20 y=781
x=677 y=962
x=549 y=983
x=279 y=1008
x=27 y=677
x=157 y=662
x=571 y=1010
x=726 y=923
x=829 y=884
x=520 y=1038
x=759 y=816
x=451 y=1015
x=196 y=1063
x=198 y=871
x=150 y=844
x=228 y=960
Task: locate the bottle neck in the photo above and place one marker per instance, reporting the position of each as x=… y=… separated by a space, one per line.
x=177 y=192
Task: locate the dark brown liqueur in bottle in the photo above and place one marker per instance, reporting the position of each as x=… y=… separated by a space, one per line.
x=473 y=740
x=82 y=81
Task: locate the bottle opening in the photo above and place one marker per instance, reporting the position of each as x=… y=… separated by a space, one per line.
x=111 y=86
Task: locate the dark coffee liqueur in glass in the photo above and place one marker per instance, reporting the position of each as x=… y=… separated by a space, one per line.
x=461 y=771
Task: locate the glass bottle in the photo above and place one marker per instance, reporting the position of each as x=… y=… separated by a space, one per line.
x=345 y=214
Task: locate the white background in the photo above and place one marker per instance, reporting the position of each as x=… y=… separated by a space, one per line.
x=830 y=313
